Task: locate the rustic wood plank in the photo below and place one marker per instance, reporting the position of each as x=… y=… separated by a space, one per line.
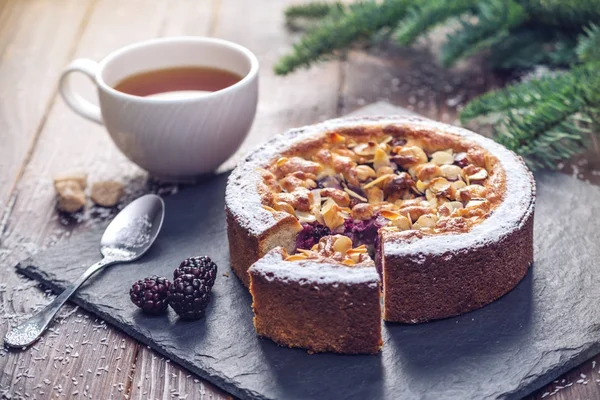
x=68 y=142
x=30 y=63
x=157 y=378
x=81 y=356
x=582 y=383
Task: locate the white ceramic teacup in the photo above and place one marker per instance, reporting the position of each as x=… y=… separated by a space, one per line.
x=172 y=138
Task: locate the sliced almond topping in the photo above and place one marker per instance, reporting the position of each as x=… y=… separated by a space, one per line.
x=339 y=196
x=421 y=186
x=403 y=223
x=336 y=138
x=348 y=261
x=365 y=149
x=376 y=181
x=451 y=171
x=381 y=159
x=305 y=217
x=342 y=244
x=375 y=195
x=281 y=161
x=442 y=158
x=426 y=221
x=391 y=215
x=409 y=156
x=482 y=174
x=281 y=206
x=331 y=213
x=439 y=185
x=455 y=187
x=316 y=197
x=355 y=257
x=364 y=172
x=362 y=211
x=362 y=249
x=269 y=208
x=352 y=193
x=428 y=171
x=385 y=171
x=386 y=139
x=476 y=203
x=296 y=257
x=458 y=184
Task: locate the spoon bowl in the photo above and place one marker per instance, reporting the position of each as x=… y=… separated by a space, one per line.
x=131 y=233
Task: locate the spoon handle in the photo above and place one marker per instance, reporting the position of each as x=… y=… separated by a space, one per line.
x=29 y=331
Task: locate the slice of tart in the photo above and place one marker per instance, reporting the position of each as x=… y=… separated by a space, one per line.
x=323 y=299
x=445 y=214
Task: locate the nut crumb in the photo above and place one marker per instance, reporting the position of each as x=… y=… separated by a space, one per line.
x=107 y=193
x=71 y=197
x=226 y=274
x=79 y=178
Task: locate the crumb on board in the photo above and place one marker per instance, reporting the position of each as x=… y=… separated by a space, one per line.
x=107 y=193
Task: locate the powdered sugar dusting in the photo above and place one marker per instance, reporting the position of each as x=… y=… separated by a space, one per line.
x=272 y=266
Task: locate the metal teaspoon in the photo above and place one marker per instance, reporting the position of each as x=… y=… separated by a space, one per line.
x=127 y=238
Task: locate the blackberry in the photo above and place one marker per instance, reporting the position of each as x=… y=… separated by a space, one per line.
x=310 y=235
x=150 y=294
x=190 y=291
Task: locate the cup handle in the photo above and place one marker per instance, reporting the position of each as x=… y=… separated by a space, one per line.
x=80 y=105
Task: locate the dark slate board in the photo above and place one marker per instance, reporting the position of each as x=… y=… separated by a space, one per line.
x=549 y=324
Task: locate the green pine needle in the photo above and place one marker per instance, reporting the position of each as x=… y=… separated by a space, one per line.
x=571 y=14
x=311 y=12
x=545 y=120
x=495 y=19
x=424 y=17
x=315 y=9
x=527 y=47
x=588 y=47
x=516 y=96
x=366 y=19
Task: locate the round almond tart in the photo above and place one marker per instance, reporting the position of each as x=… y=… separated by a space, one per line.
x=325 y=220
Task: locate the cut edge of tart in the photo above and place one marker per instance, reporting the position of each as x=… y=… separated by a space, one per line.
x=418 y=267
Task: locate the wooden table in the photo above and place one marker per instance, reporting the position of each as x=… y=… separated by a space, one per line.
x=82 y=357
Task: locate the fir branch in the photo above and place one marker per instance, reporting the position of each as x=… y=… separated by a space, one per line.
x=516 y=96
x=528 y=47
x=495 y=19
x=423 y=18
x=588 y=46
x=563 y=141
x=363 y=21
x=313 y=11
x=545 y=120
x=563 y=14
x=530 y=93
